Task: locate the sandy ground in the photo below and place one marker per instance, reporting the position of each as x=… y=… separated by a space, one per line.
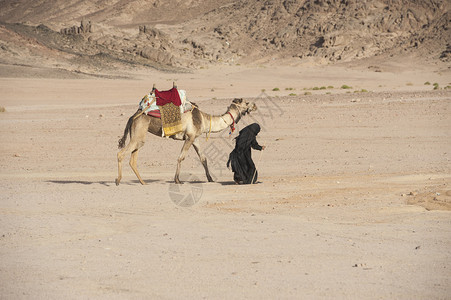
x=353 y=200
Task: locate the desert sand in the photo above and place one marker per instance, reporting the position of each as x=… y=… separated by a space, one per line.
x=353 y=199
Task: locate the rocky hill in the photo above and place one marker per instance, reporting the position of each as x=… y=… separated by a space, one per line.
x=334 y=30
x=95 y=36
x=113 y=12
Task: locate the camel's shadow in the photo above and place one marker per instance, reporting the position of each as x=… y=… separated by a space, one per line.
x=136 y=182
x=101 y=182
x=83 y=182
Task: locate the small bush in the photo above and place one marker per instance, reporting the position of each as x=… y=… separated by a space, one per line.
x=330 y=86
x=447 y=87
x=276 y=89
x=315 y=88
x=346 y=87
x=289 y=89
x=307 y=93
x=263 y=90
x=328 y=93
x=427 y=83
x=322 y=88
x=292 y=94
x=436 y=86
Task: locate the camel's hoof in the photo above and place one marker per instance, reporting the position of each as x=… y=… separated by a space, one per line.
x=117 y=181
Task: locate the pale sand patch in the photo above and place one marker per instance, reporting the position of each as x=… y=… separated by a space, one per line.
x=331 y=218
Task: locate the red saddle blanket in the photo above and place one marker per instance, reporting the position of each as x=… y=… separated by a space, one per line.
x=165 y=97
x=154 y=113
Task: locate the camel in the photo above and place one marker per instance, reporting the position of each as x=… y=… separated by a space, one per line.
x=194 y=123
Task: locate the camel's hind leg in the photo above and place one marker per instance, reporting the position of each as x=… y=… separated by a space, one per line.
x=133 y=148
x=120 y=157
x=203 y=160
x=138 y=136
x=134 y=164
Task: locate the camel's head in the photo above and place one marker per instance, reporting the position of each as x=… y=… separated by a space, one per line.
x=243 y=107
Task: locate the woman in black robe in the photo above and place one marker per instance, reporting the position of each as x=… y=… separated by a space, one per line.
x=243 y=167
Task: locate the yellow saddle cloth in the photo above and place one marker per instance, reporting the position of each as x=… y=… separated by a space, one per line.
x=171 y=119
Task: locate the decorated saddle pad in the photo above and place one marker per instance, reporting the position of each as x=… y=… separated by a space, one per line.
x=148 y=103
x=171 y=119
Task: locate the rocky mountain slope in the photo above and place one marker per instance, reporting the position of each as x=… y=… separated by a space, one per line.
x=191 y=34
x=334 y=29
x=112 y=12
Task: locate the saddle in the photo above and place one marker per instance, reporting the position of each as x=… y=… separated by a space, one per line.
x=150 y=103
x=168 y=106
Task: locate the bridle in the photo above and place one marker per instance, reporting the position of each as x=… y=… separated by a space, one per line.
x=239 y=107
x=232 y=126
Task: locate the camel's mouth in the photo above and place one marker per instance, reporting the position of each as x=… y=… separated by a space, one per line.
x=251 y=107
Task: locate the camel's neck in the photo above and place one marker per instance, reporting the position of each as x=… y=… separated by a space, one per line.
x=219 y=123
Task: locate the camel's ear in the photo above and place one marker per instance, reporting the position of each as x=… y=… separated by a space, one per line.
x=238 y=100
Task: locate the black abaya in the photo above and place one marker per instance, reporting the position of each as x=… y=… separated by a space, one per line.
x=240 y=158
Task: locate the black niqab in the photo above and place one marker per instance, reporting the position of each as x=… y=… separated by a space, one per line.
x=240 y=158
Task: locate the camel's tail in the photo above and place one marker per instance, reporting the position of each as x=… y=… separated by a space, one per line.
x=127 y=129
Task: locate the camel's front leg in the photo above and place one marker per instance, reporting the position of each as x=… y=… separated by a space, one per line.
x=186 y=145
x=203 y=159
